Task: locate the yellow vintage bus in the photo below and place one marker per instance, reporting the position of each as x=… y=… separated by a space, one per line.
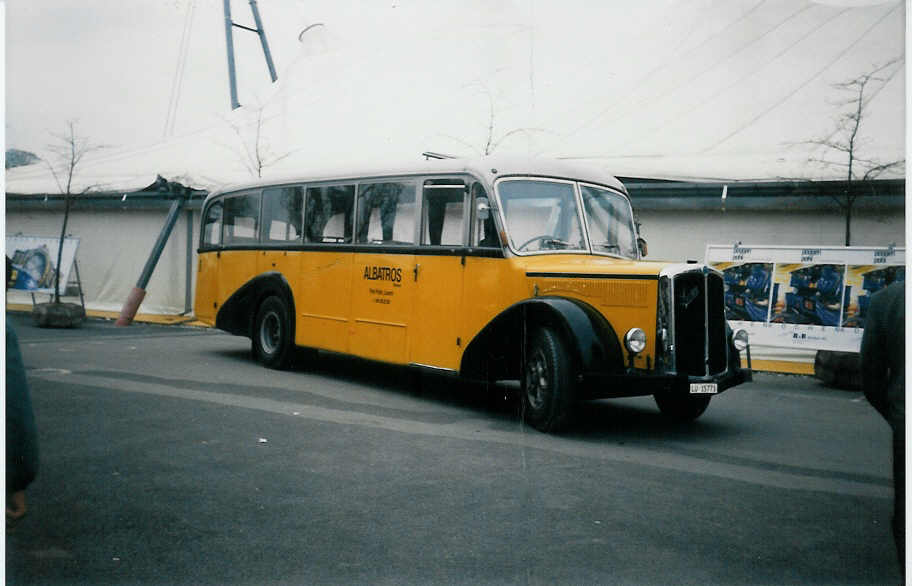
x=491 y=269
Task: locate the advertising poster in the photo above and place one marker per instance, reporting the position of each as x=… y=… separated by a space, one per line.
x=34 y=260
x=804 y=297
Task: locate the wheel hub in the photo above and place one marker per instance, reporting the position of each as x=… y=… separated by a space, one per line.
x=270 y=332
x=537 y=380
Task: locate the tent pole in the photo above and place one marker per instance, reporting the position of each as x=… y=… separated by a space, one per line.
x=229 y=43
x=262 y=35
x=188 y=292
x=134 y=299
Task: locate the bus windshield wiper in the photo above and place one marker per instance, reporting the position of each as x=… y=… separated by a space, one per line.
x=610 y=246
x=557 y=242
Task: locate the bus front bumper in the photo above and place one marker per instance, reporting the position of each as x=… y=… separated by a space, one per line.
x=633 y=383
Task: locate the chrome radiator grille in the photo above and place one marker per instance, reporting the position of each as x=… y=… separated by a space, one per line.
x=694 y=323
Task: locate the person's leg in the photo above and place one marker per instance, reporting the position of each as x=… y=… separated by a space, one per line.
x=899 y=497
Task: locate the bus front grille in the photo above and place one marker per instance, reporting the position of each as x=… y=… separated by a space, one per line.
x=699 y=324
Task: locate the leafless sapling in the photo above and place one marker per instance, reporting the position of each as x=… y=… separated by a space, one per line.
x=257 y=154
x=845 y=140
x=66 y=153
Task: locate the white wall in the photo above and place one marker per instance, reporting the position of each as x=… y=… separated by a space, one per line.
x=678 y=235
x=115 y=244
x=113 y=248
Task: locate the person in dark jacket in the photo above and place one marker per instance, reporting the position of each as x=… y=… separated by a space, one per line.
x=883 y=371
x=21 y=434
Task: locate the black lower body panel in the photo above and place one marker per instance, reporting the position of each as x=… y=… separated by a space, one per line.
x=638 y=383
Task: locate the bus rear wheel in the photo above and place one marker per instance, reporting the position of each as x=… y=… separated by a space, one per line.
x=547 y=382
x=272 y=337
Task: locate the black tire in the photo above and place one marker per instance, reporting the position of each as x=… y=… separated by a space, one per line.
x=272 y=341
x=548 y=387
x=682 y=407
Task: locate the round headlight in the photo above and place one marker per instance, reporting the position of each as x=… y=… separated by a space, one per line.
x=635 y=340
x=740 y=340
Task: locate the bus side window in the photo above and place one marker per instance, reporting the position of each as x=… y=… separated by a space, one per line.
x=328 y=214
x=444 y=212
x=282 y=214
x=386 y=213
x=242 y=214
x=212 y=225
x=484 y=231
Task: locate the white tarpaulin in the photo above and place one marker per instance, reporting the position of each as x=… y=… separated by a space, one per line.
x=113 y=246
x=712 y=90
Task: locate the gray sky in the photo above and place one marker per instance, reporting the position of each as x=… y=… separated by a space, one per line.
x=706 y=86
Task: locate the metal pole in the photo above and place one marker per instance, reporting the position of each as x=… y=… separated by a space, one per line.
x=229 y=42
x=188 y=294
x=160 y=243
x=262 y=34
x=134 y=299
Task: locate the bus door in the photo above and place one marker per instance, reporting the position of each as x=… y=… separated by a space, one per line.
x=383 y=270
x=439 y=271
x=206 y=302
x=238 y=262
x=324 y=281
x=486 y=290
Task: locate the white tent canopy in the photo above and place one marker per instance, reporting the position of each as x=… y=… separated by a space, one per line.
x=709 y=90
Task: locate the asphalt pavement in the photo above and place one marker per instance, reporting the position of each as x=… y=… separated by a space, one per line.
x=169 y=457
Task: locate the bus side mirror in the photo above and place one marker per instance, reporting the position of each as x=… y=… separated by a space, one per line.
x=482 y=208
x=641 y=244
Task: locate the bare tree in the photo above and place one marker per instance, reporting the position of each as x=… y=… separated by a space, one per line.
x=845 y=141
x=67 y=152
x=492 y=140
x=256 y=155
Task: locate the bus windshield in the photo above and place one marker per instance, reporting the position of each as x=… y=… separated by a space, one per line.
x=544 y=215
x=608 y=218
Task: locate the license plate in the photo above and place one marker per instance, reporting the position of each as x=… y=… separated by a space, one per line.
x=704 y=388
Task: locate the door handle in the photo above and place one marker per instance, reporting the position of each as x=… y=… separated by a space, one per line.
x=417 y=266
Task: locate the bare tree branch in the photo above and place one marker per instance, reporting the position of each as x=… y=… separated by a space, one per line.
x=873 y=172
x=256 y=152
x=515 y=131
x=492 y=140
x=846 y=139
x=462 y=142
x=68 y=152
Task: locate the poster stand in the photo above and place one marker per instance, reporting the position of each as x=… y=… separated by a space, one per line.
x=33 y=260
x=77 y=283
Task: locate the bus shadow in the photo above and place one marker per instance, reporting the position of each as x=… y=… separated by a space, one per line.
x=640 y=420
x=634 y=419
x=438 y=388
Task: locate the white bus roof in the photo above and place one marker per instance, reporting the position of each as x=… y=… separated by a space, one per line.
x=488 y=168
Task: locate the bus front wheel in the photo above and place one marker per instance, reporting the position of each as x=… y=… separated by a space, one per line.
x=272 y=336
x=547 y=382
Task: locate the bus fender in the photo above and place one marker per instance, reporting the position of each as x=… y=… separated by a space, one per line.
x=591 y=340
x=238 y=312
